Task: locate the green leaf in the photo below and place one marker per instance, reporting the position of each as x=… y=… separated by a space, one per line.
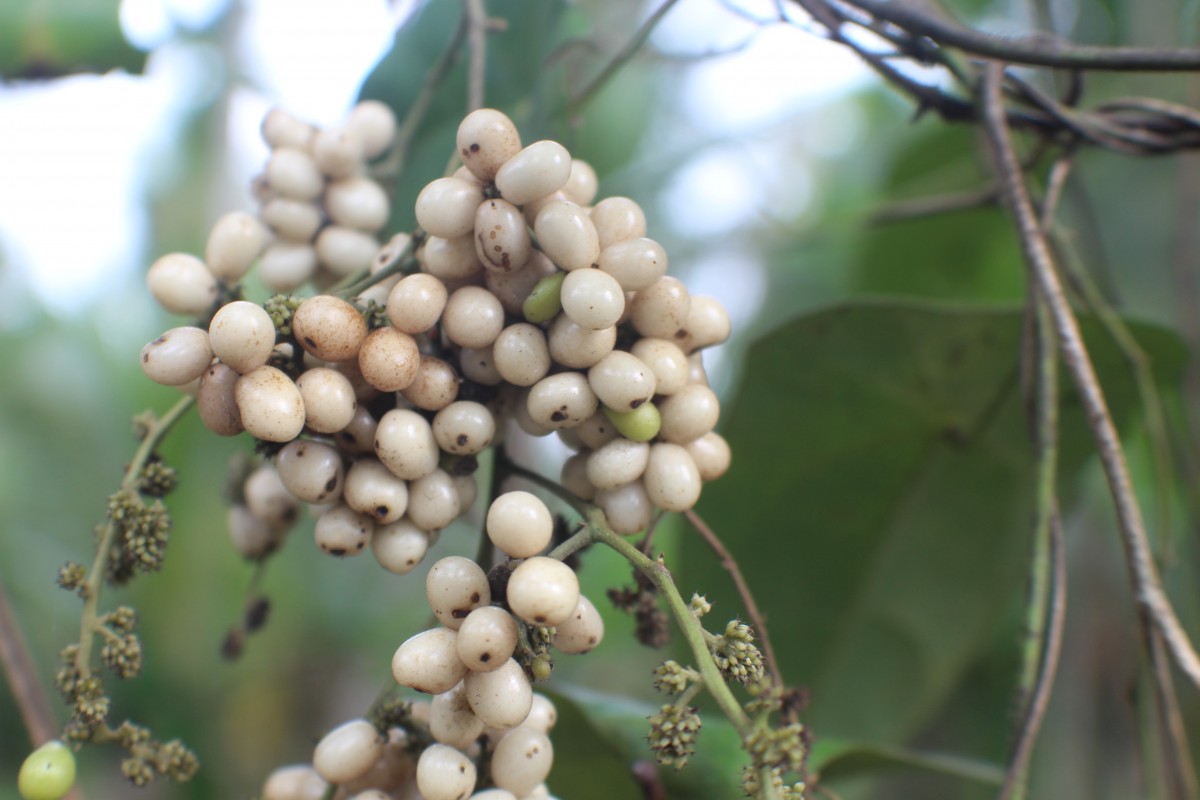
x=618 y=725
x=964 y=255
x=961 y=254
x=47 y=38
x=837 y=758
x=880 y=499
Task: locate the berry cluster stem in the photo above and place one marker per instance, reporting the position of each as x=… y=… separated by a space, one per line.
x=89 y=623
x=359 y=282
x=688 y=624
x=595 y=530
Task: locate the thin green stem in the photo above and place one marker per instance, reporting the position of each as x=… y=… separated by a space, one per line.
x=693 y=633
x=89 y=623
x=1046 y=606
x=596 y=530
x=573 y=545
x=689 y=625
x=515 y=470
x=359 y=282
x=689 y=694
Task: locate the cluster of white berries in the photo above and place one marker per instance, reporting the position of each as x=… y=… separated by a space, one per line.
x=525 y=301
x=319 y=215
x=583 y=334
x=483 y=700
x=469 y=662
x=317 y=198
x=578 y=320
x=366 y=765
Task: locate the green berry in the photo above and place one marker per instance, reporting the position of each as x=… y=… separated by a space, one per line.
x=48 y=773
x=545 y=301
x=639 y=425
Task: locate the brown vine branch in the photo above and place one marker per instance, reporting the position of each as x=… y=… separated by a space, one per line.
x=926 y=37
x=924 y=18
x=934 y=205
x=1180 y=773
x=27 y=690
x=477 y=28
x=1177 y=754
x=730 y=564
x=1143 y=573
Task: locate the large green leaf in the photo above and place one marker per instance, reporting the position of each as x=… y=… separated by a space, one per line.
x=612 y=730
x=835 y=758
x=46 y=38
x=880 y=500
x=961 y=254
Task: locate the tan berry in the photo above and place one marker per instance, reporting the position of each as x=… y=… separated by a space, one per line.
x=486 y=139
x=329 y=328
x=434 y=387
x=389 y=359
x=182 y=284
x=179 y=356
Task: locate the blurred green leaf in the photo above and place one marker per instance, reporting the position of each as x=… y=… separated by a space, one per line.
x=965 y=255
x=962 y=253
x=619 y=723
x=47 y=38
x=880 y=499
x=836 y=758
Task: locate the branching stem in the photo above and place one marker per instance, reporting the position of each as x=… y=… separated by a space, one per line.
x=927 y=19
x=404 y=262
x=743 y=588
x=689 y=625
x=1142 y=571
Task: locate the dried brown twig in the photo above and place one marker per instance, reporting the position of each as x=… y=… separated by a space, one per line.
x=1143 y=573
x=923 y=35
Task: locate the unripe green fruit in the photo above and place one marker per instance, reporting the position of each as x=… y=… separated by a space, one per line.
x=545 y=301
x=640 y=425
x=48 y=773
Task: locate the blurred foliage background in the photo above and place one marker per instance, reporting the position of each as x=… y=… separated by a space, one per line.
x=881 y=496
